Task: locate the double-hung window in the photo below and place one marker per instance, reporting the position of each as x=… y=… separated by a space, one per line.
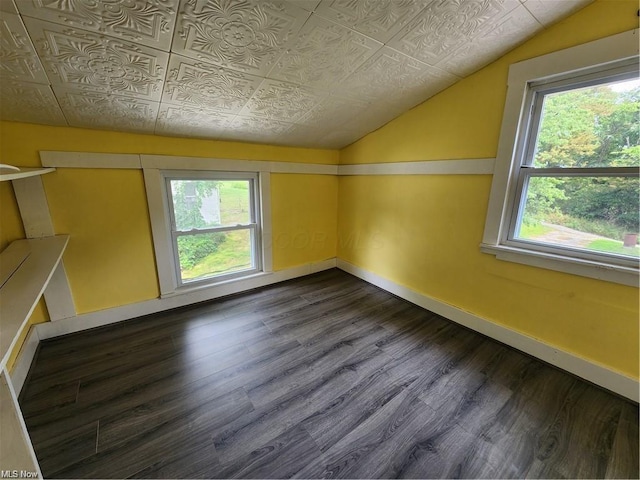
x=214 y=223
x=577 y=180
x=566 y=192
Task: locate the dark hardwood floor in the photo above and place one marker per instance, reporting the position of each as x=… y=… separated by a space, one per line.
x=324 y=376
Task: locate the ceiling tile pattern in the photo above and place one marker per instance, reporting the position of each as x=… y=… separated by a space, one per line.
x=192 y=82
x=332 y=110
x=246 y=35
x=379 y=19
x=258 y=129
x=494 y=42
x=390 y=75
x=8 y=7
x=149 y=23
x=549 y=11
x=314 y=73
x=189 y=121
x=30 y=103
x=445 y=25
x=90 y=62
x=282 y=101
x=19 y=59
x=324 y=54
x=107 y=112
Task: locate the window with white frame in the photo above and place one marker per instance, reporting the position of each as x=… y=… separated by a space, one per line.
x=566 y=187
x=214 y=225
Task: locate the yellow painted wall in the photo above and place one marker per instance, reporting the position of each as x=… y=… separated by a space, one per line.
x=424 y=231
x=39 y=315
x=110 y=258
x=10 y=224
x=304 y=218
x=20 y=143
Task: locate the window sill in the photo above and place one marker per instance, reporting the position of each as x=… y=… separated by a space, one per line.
x=242 y=282
x=584 y=268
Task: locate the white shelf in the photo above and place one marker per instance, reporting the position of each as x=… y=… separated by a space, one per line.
x=16 y=451
x=23 y=173
x=26 y=267
x=29 y=269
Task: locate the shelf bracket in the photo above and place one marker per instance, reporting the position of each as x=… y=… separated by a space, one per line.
x=34 y=210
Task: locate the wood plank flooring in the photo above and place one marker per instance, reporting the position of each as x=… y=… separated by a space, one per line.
x=320 y=377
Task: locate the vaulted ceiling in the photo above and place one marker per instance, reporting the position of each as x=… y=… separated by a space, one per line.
x=316 y=73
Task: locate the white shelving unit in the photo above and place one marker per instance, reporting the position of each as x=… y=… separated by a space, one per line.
x=16 y=451
x=24 y=172
x=27 y=266
x=29 y=269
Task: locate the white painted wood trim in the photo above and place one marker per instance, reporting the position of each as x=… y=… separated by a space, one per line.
x=587 y=55
x=25 y=172
x=264 y=180
x=33 y=206
x=58 y=296
x=515 y=119
x=12 y=257
x=158 y=204
x=502 y=183
x=21 y=292
x=481 y=166
x=36 y=219
x=117 y=314
x=167 y=162
x=598 y=374
x=16 y=451
x=303 y=168
x=156 y=199
x=24 y=360
x=575 y=266
x=90 y=160
x=170 y=162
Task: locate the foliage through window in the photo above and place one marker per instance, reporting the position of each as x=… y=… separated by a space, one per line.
x=214 y=225
x=577 y=181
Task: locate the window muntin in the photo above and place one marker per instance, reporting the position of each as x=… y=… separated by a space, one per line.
x=577 y=185
x=214 y=225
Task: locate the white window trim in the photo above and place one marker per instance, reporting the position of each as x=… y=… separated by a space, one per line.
x=576 y=59
x=155 y=184
x=254 y=226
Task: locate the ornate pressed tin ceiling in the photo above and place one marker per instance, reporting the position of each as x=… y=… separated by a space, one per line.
x=316 y=73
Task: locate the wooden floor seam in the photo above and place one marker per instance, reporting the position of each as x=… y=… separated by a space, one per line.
x=324 y=376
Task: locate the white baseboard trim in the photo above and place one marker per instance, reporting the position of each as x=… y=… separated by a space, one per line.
x=117 y=314
x=21 y=367
x=598 y=374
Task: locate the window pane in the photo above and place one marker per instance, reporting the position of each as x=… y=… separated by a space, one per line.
x=590 y=127
x=205 y=255
x=597 y=214
x=210 y=203
x=235 y=201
